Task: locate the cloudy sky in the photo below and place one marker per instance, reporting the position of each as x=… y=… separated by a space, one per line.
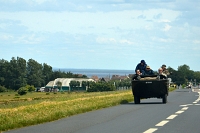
x=101 y=34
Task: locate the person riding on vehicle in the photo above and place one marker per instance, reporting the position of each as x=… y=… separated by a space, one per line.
x=165 y=71
x=148 y=71
x=137 y=75
x=161 y=74
x=141 y=66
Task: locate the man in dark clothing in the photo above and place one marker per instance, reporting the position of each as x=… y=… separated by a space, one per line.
x=137 y=75
x=165 y=71
x=141 y=66
x=149 y=71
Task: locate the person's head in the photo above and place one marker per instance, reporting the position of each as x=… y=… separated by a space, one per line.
x=163 y=66
x=142 y=62
x=138 y=71
x=160 y=70
x=148 y=68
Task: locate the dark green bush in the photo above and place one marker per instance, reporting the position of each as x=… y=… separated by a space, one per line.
x=101 y=86
x=22 y=91
x=30 y=88
x=2 y=89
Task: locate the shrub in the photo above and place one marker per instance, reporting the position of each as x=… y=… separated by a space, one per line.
x=30 y=88
x=22 y=91
x=2 y=89
x=101 y=86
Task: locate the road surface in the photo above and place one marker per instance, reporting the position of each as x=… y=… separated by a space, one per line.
x=180 y=115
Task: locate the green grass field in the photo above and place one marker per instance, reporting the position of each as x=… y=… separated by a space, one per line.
x=39 y=107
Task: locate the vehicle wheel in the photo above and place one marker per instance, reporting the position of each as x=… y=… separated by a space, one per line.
x=164 y=99
x=136 y=99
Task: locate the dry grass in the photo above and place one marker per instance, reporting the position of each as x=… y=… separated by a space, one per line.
x=52 y=109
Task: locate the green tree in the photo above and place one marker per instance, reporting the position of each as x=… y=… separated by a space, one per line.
x=197 y=77
x=47 y=74
x=3 y=71
x=59 y=85
x=84 y=84
x=34 y=73
x=74 y=85
x=17 y=73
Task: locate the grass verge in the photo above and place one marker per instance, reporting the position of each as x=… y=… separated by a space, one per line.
x=50 y=110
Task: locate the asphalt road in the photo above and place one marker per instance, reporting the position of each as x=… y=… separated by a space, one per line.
x=180 y=115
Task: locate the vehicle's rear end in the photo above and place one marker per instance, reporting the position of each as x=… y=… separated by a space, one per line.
x=150 y=88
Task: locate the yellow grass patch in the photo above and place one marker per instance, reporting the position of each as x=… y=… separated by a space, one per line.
x=53 y=110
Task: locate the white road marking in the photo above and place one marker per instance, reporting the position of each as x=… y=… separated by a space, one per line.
x=151 y=130
x=162 y=123
x=185 y=108
x=179 y=112
x=171 y=117
x=185 y=105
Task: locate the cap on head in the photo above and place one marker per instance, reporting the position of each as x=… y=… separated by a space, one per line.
x=148 y=67
x=142 y=61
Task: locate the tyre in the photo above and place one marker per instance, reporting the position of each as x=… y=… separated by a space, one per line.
x=136 y=99
x=164 y=99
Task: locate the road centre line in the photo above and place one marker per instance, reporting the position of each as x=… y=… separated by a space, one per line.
x=185 y=108
x=162 y=123
x=183 y=105
x=151 y=130
x=179 y=112
x=171 y=117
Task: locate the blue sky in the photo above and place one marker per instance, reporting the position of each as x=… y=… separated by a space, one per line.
x=102 y=34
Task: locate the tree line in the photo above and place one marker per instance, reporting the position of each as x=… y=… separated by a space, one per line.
x=18 y=73
x=184 y=75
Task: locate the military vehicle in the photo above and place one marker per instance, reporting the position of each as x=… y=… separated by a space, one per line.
x=154 y=86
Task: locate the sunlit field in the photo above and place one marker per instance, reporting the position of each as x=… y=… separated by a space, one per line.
x=39 y=107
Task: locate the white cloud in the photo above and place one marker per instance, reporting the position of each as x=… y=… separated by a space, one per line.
x=196 y=41
x=156 y=39
x=167 y=27
x=126 y=41
x=100 y=26
x=164 y=21
x=43 y=1
x=28 y=39
x=6 y=37
x=79 y=22
x=105 y=40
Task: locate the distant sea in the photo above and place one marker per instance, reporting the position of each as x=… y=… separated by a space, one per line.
x=98 y=72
